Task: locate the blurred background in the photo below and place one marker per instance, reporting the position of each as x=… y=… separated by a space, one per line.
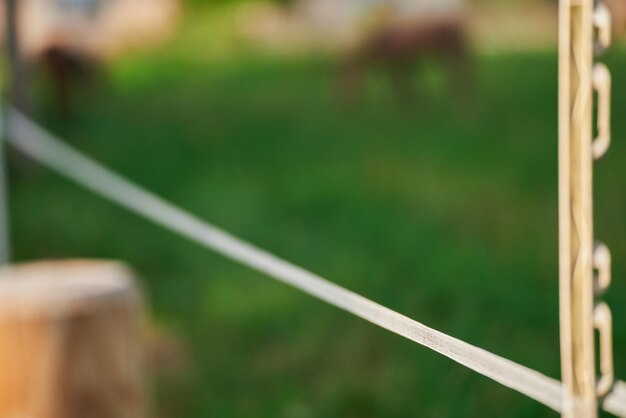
x=405 y=149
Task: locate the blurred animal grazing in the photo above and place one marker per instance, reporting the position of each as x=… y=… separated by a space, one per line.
x=399 y=49
x=69 y=73
x=69 y=39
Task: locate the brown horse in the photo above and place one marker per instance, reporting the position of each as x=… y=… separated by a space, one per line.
x=70 y=41
x=70 y=74
x=398 y=49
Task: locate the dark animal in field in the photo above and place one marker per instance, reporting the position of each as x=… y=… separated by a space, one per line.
x=70 y=74
x=399 y=49
x=67 y=40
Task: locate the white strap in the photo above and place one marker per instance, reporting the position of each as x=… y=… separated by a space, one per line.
x=50 y=151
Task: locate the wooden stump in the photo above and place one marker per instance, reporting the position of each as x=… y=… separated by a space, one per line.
x=70 y=341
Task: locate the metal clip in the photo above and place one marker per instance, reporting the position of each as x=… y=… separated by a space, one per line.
x=603 y=322
x=602 y=84
x=602 y=264
x=602 y=21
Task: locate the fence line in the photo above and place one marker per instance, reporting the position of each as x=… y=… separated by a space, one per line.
x=34 y=141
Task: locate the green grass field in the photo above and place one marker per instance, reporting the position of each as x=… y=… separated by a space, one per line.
x=446 y=213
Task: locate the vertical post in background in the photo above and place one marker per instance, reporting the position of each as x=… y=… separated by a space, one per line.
x=5 y=233
x=16 y=74
x=12 y=90
x=576 y=35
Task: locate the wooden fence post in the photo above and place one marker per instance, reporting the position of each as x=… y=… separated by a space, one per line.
x=70 y=341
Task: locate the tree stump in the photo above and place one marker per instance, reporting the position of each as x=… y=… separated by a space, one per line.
x=70 y=341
